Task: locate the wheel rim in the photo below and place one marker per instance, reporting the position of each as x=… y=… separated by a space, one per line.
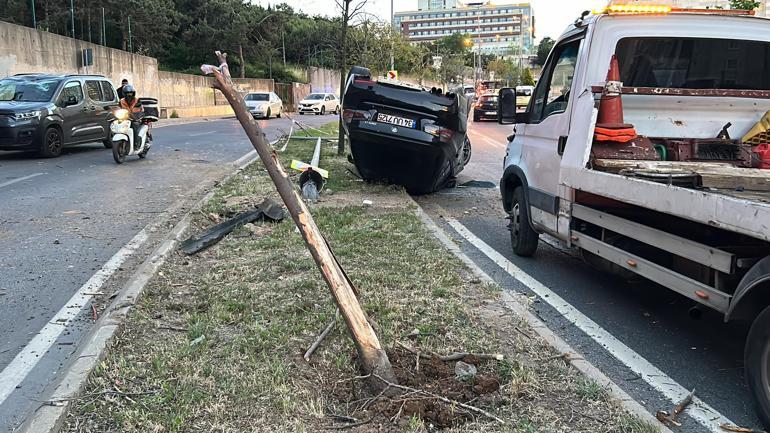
x=466 y=152
x=53 y=142
x=515 y=220
x=765 y=363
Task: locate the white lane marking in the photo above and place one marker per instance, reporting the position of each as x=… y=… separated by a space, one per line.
x=494 y=143
x=18 y=369
x=20 y=179
x=488 y=139
x=699 y=410
x=201 y=133
x=245 y=159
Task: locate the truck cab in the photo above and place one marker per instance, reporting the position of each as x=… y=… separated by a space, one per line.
x=644 y=146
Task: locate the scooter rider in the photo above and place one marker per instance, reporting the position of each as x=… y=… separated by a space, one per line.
x=131 y=103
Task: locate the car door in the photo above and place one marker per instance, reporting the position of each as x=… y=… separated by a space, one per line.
x=108 y=104
x=74 y=111
x=545 y=132
x=95 y=126
x=328 y=103
x=277 y=104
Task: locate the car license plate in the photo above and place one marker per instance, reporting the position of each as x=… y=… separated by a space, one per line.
x=492 y=112
x=395 y=120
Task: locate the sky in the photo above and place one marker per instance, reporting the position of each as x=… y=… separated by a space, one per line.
x=551 y=16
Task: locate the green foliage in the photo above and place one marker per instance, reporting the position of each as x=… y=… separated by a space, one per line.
x=744 y=4
x=543 y=49
x=174 y=114
x=526 y=77
x=456 y=43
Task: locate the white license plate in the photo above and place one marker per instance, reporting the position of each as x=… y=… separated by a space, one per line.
x=492 y=112
x=395 y=120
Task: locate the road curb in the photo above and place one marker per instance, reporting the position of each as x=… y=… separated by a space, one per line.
x=522 y=311
x=49 y=418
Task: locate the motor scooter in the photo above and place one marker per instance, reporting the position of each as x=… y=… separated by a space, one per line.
x=123 y=134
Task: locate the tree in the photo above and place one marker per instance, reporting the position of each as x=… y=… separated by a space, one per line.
x=749 y=5
x=526 y=77
x=543 y=49
x=348 y=15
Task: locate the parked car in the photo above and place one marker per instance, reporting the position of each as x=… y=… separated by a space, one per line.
x=404 y=134
x=43 y=112
x=264 y=104
x=320 y=103
x=485 y=108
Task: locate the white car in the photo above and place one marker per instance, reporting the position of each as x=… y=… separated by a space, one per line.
x=264 y=104
x=320 y=103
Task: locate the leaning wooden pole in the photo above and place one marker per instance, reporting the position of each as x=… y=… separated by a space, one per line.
x=374 y=360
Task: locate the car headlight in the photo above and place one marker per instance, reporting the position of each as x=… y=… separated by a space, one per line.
x=121 y=114
x=27 y=115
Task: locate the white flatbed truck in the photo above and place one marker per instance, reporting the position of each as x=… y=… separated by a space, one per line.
x=697 y=223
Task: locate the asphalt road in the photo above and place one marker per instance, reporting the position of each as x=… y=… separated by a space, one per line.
x=62 y=219
x=704 y=354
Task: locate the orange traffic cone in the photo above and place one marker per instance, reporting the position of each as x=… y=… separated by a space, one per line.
x=610 y=125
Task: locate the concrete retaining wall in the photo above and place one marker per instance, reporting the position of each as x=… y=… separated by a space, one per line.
x=24 y=50
x=324 y=80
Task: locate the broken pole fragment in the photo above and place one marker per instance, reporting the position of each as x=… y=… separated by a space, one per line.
x=374 y=360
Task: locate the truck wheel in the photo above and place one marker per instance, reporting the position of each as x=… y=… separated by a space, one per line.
x=757 y=364
x=523 y=238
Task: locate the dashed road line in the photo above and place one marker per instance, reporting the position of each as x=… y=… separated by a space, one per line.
x=20 y=179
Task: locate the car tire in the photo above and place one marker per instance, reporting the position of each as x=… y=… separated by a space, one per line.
x=757 y=365
x=52 y=143
x=107 y=144
x=476 y=117
x=279 y=113
x=523 y=238
x=337 y=110
x=466 y=151
x=268 y=114
x=323 y=110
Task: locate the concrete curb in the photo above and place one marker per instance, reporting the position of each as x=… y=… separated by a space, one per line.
x=50 y=417
x=522 y=311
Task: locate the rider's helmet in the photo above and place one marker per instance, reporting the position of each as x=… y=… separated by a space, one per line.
x=129 y=92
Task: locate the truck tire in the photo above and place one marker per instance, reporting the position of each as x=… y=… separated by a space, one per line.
x=757 y=365
x=523 y=238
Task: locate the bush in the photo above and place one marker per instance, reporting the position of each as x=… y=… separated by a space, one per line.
x=174 y=114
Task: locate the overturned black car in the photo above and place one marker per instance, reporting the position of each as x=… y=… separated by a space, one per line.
x=405 y=134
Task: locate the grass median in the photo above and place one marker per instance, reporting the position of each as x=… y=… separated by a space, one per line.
x=216 y=342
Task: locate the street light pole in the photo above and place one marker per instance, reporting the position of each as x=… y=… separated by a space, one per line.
x=72 y=17
x=34 y=19
x=392 y=56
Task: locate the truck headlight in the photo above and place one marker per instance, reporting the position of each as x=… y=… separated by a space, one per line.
x=27 y=115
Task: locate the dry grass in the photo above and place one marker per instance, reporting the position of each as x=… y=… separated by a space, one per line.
x=215 y=344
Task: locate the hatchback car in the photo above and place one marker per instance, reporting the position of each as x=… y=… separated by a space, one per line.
x=320 y=103
x=43 y=112
x=264 y=104
x=485 y=107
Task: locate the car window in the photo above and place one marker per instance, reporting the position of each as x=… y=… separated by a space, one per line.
x=71 y=89
x=108 y=92
x=257 y=97
x=94 y=89
x=314 y=96
x=13 y=89
x=553 y=90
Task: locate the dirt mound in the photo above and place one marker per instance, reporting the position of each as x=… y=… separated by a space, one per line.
x=430 y=377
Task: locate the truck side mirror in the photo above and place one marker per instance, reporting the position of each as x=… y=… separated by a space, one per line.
x=506 y=107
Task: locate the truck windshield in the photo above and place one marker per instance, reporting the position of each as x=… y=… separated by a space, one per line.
x=694 y=63
x=27 y=91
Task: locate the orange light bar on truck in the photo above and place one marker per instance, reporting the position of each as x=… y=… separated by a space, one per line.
x=632 y=8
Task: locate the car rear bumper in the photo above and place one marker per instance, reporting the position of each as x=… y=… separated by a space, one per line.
x=411 y=158
x=486 y=113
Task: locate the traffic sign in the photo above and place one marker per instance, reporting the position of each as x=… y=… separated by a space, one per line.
x=393 y=75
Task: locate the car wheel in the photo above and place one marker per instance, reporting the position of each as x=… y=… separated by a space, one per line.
x=337 y=110
x=301 y=113
x=279 y=113
x=323 y=110
x=757 y=364
x=268 y=114
x=52 y=143
x=476 y=117
x=107 y=144
x=466 y=152
x=523 y=238
x=119 y=151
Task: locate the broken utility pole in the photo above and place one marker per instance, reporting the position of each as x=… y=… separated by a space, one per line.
x=374 y=360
